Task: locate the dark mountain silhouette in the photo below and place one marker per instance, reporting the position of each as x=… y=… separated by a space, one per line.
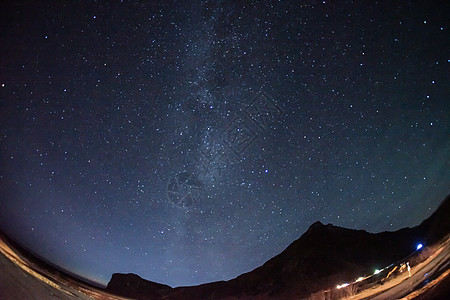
x=322 y=257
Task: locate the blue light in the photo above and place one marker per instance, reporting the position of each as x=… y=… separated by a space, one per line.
x=419 y=246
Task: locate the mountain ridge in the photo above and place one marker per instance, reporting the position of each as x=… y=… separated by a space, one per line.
x=322 y=257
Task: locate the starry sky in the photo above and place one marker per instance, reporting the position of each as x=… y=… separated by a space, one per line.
x=191 y=141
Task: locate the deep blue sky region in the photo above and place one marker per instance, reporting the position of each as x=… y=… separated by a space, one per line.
x=191 y=141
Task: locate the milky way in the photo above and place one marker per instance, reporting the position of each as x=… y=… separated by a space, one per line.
x=191 y=142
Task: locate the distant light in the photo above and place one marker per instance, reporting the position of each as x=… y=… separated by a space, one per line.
x=359 y=279
x=340 y=286
x=419 y=246
x=376 y=272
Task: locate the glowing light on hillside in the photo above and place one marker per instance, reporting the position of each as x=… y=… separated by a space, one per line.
x=419 y=246
x=359 y=279
x=376 y=272
x=340 y=286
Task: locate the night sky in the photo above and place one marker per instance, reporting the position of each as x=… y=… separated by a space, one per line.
x=189 y=142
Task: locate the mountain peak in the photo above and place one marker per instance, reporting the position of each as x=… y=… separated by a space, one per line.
x=316 y=224
x=319 y=226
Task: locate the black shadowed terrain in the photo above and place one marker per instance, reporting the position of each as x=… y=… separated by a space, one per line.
x=321 y=258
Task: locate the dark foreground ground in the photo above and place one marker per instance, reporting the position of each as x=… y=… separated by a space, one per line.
x=429 y=279
x=21 y=278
